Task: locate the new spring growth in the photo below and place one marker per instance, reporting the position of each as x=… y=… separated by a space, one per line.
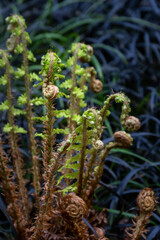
x=146 y=202
x=51 y=68
x=15 y=43
x=72 y=167
x=84 y=53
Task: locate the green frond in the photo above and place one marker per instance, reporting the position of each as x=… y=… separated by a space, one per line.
x=38 y=101
x=78 y=92
x=77 y=119
x=61 y=94
x=73 y=175
x=42 y=118
x=17 y=112
x=79 y=70
x=34 y=77
x=19 y=130
x=28 y=37
x=42 y=135
x=61 y=131
x=62 y=113
x=19 y=72
x=53 y=73
x=70 y=188
x=31 y=56
x=82 y=103
x=69 y=62
x=22 y=99
x=67 y=84
x=37 y=85
x=3 y=80
x=4 y=106
x=2 y=63
x=7 y=128
x=75 y=147
x=19 y=48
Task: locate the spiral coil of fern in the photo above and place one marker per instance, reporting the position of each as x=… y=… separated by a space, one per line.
x=72 y=207
x=146 y=202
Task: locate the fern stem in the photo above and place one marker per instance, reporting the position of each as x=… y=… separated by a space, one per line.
x=120 y=98
x=13 y=141
x=74 y=82
x=90 y=167
x=98 y=174
x=49 y=140
x=29 y=116
x=9 y=187
x=82 y=159
x=46 y=198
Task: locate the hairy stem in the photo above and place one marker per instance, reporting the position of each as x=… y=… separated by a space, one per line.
x=120 y=98
x=82 y=159
x=9 y=187
x=89 y=169
x=72 y=96
x=29 y=117
x=48 y=143
x=13 y=142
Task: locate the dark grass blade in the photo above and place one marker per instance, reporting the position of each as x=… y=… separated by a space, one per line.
x=89 y=225
x=3 y=209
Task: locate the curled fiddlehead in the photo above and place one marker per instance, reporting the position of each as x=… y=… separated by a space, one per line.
x=131 y=124
x=95 y=84
x=146 y=202
x=123 y=138
x=50 y=91
x=73 y=207
x=98 y=145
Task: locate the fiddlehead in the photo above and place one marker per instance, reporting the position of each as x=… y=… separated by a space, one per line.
x=146 y=202
x=50 y=91
x=95 y=84
x=98 y=145
x=131 y=124
x=72 y=209
x=123 y=138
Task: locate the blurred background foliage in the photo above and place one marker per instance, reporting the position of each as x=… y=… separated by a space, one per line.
x=125 y=36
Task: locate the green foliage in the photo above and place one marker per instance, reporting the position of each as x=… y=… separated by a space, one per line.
x=22 y=99
x=57 y=66
x=17 y=112
x=74 y=164
x=4 y=106
x=38 y=101
x=3 y=80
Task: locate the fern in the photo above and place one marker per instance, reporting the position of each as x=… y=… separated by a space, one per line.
x=71 y=167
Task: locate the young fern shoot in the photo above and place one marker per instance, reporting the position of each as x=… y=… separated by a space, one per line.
x=17 y=43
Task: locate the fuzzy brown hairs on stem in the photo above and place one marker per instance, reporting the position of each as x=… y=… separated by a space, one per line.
x=146 y=202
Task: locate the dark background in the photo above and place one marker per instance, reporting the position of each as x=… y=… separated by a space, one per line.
x=126 y=39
